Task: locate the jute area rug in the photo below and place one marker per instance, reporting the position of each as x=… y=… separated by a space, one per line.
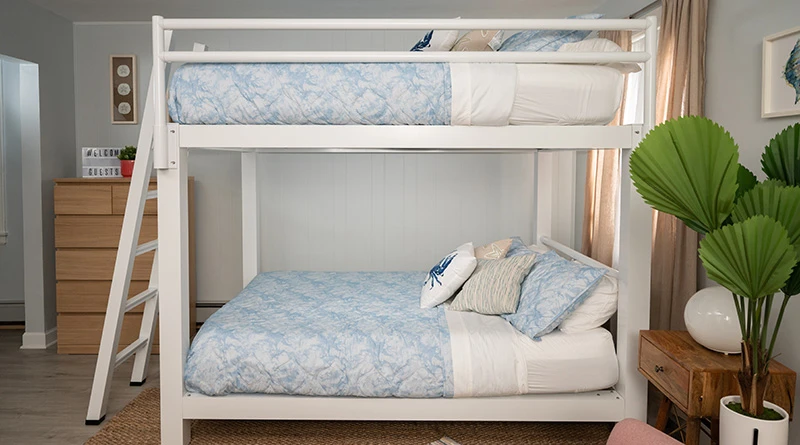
x=138 y=423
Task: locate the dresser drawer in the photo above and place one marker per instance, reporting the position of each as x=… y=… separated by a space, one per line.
x=90 y=296
x=98 y=231
x=85 y=330
x=92 y=199
x=119 y=199
x=665 y=372
x=93 y=265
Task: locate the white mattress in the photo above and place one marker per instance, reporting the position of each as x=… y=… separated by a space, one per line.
x=490 y=357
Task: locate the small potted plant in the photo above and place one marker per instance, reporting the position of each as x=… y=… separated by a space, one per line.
x=126 y=158
x=689 y=168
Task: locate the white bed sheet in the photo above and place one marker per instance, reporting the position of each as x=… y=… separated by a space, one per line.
x=492 y=358
x=524 y=94
x=566 y=95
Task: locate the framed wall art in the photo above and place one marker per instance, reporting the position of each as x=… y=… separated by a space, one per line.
x=123 y=90
x=780 y=83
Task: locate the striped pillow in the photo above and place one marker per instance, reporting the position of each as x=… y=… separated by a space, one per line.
x=494 y=286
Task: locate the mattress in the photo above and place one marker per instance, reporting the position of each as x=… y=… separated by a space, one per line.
x=394 y=94
x=363 y=334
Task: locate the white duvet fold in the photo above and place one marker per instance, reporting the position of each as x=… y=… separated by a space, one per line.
x=483 y=93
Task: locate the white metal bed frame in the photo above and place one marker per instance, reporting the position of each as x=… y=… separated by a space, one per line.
x=172 y=143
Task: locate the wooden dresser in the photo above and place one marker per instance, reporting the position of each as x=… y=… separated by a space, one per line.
x=88 y=222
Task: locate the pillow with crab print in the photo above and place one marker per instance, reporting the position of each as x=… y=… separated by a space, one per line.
x=551 y=292
x=447 y=276
x=437 y=40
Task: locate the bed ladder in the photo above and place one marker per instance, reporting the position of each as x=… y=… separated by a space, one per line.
x=118 y=302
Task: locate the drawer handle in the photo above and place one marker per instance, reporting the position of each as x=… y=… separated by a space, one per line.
x=659 y=369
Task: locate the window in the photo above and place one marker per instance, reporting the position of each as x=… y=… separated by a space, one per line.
x=634 y=94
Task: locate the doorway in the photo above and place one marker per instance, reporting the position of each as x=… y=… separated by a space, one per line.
x=21 y=266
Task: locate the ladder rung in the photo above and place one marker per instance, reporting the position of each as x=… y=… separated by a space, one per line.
x=126 y=353
x=152 y=194
x=140 y=298
x=146 y=247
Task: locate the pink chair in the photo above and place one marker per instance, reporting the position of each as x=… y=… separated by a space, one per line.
x=635 y=432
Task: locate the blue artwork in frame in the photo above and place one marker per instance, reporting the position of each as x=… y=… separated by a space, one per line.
x=781 y=74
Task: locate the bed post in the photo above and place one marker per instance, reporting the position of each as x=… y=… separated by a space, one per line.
x=633 y=253
x=173 y=230
x=251 y=252
x=173 y=266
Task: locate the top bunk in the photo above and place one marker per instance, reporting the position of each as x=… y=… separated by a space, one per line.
x=376 y=101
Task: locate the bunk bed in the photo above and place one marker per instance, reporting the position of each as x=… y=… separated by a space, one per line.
x=196 y=125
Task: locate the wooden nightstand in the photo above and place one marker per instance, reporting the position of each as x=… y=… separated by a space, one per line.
x=694 y=379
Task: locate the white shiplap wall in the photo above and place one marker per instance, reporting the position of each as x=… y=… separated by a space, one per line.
x=318 y=212
x=388 y=212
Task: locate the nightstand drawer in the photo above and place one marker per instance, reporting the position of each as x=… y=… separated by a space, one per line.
x=665 y=372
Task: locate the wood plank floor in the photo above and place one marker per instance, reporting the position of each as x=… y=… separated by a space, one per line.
x=44 y=396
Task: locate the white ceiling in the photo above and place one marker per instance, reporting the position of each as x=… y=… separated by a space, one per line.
x=143 y=10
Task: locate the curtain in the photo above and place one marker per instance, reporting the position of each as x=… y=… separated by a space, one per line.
x=602 y=182
x=680 y=89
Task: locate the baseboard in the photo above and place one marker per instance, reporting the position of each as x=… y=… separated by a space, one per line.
x=12 y=312
x=206 y=309
x=39 y=340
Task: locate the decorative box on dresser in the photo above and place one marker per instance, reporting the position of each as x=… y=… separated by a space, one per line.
x=88 y=222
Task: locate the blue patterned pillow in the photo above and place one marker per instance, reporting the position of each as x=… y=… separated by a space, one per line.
x=546 y=40
x=553 y=289
x=518 y=248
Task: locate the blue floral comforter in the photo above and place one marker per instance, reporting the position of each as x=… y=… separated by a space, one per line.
x=307 y=93
x=325 y=334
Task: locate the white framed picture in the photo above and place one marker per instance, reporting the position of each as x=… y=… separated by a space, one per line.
x=780 y=82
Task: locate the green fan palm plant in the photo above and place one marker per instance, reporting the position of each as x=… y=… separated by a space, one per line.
x=689 y=167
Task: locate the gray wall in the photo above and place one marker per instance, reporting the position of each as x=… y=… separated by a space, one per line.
x=12 y=289
x=733 y=98
x=319 y=212
x=33 y=34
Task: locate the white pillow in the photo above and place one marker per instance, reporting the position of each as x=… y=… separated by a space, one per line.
x=595 y=310
x=601 y=46
x=447 y=276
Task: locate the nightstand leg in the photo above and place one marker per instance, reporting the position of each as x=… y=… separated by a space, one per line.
x=693 y=430
x=715 y=431
x=663 y=413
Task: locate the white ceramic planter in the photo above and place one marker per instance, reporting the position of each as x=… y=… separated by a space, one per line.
x=736 y=429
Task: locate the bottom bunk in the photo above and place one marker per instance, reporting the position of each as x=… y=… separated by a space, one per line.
x=362 y=338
